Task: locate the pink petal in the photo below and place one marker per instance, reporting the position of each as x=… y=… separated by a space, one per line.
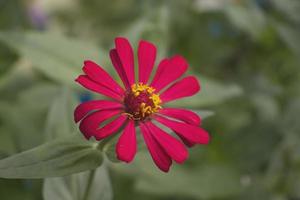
x=84 y=108
x=159 y=156
x=92 y=122
x=168 y=71
x=86 y=82
x=186 y=87
x=119 y=67
x=110 y=128
x=182 y=114
x=99 y=75
x=192 y=134
x=146 y=58
x=125 y=53
x=174 y=148
x=126 y=146
x=185 y=141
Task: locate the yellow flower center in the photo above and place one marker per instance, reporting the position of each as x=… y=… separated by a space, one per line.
x=141 y=101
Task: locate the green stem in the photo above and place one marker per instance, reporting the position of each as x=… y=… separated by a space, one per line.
x=89 y=184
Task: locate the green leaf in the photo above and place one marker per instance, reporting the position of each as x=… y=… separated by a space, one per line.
x=239 y=16
x=54 y=55
x=17 y=78
x=152 y=27
x=18 y=189
x=23 y=119
x=289 y=7
x=56 y=158
x=7 y=58
x=39 y=96
x=74 y=187
x=204 y=113
x=290 y=36
x=204 y=182
x=60 y=116
x=7 y=145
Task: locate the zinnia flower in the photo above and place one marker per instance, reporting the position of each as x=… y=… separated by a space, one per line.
x=141 y=103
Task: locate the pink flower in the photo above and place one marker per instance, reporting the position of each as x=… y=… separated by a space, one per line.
x=140 y=103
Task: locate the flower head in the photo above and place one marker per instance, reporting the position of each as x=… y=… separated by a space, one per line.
x=141 y=104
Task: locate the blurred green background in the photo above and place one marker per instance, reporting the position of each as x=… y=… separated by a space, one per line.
x=246 y=53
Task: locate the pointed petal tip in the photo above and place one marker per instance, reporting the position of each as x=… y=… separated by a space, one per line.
x=194 y=81
x=206 y=140
x=86 y=62
x=123 y=60
x=178 y=57
x=120 y=39
x=186 y=87
x=75 y=118
x=180 y=61
x=197 y=83
x=77 y=79
x=86 y=137
x=125 y=159
x=145 y=42
x=165 y=170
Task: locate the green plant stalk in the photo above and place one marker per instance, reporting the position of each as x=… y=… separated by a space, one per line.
x=89 y=184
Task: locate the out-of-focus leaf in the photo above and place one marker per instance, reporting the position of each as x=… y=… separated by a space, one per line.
x=74 y=187
x=16 y=189
x=152 y=27
x=204 y=113
x=60 y=121
x=19 y=77
x=56 y=158
x=204 y=182
x=267 y=107
x=23 y=119
x=247 y=18
x=289 y=7
x=7 y=58
x=209 y=5
x=39 y=96
x=7 y=145
x=54 y=55
x=290 y=36
x=211 y=93
x=293 y=183
x=290 y=122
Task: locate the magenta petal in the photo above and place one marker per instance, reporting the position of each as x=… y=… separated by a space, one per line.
x=99 y=75
x=192 y=134
x=186 y=87
x=126 y=146
x=91 y=123
x=159 y=156
x=174 y=148
x=125 y=53
x=182 y=114
x=115 y=59
x=86 y=82
x=186 y=142
x=168 y=71
x=84 y=108
x=110 y=128
x=146 y=58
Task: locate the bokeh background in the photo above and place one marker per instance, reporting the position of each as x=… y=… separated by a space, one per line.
x=245 y=52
